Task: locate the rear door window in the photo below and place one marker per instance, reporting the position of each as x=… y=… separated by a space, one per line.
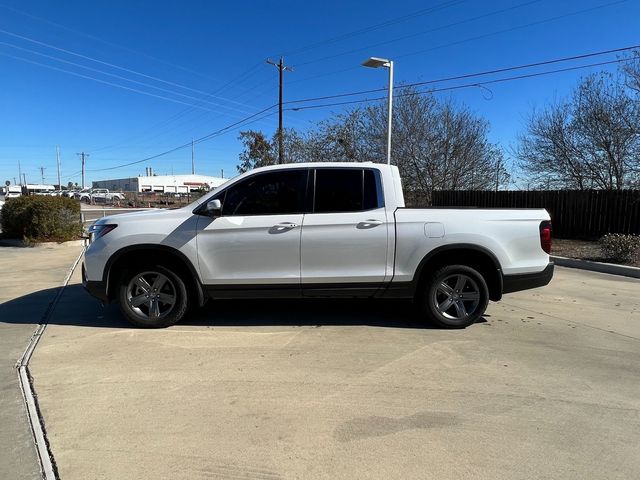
x=347 y=190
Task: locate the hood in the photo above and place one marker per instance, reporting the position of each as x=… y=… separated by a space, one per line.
x=142 y=215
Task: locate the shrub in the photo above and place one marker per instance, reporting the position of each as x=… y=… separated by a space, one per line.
x=619 y=247
x=41 y=218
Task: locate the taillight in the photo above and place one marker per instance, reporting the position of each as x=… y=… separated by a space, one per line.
x=545 y=236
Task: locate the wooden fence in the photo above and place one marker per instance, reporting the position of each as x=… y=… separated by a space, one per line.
x=586 y=214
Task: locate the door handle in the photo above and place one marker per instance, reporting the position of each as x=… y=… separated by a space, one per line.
x=284 y=226
x=369 y=223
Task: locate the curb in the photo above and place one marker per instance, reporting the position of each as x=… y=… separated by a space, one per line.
x=47 y=463
x=610 y=268
x=12 y=242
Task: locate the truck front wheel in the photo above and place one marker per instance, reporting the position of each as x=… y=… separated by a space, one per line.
x=455 y=296
x=152 y=297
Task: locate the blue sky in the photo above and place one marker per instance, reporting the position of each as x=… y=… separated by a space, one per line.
x=184 y=51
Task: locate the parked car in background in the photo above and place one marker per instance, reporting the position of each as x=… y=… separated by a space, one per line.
x=104 y=195
x=13 y=191
x=94 y=195
x=83 y=195
x=316 y=230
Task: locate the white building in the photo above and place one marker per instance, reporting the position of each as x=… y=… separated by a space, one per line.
x=161 y=183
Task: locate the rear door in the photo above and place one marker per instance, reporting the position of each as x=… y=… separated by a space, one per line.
x=345 y=236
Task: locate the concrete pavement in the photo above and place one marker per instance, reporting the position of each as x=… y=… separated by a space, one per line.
x=546 y=387
x=29 y=278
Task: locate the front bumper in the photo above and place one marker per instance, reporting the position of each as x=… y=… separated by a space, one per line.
x=96 y=288
x=525 y=281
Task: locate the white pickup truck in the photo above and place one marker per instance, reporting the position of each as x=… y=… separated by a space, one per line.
x=95 y=195
x=310 y=230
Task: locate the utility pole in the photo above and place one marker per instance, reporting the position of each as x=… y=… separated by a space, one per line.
x=82 y=155
x=42 y=169
x=58 y=165
x=281 y=69
x=193 y=156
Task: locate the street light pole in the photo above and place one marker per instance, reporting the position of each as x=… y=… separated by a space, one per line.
x=389 y=112
x=374 y=62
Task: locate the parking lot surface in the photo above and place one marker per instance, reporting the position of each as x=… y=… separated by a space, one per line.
x=30 y=277
x=546 y=386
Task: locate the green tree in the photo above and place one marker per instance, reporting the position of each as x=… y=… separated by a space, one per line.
x=258 y=151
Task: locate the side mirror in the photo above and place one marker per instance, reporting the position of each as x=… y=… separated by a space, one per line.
x=213 y=208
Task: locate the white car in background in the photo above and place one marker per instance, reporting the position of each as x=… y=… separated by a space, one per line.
x=94 y=195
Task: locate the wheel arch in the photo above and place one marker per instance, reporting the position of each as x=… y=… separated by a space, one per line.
x=143 y=253
x=474 y=256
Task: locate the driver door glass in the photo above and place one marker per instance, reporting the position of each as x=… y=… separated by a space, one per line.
x=256 y=240
x=273 y=193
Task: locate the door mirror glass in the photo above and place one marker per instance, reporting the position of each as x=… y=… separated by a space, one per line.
x=213 y=207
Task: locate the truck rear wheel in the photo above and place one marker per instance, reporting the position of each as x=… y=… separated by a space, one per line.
x=152 y=297
x=455 y=296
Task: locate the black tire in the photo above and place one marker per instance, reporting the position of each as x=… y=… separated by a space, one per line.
x=454 y=296
x=152 y=296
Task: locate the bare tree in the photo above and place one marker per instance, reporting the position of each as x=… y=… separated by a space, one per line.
x=588 y=141
x=631 y=70
x=439 y=145
x=436 y=144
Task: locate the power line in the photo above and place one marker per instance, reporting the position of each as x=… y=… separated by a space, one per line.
x=235 y=80
x=174 y=128
x=173 y=92
x=86 y=57
x=470 y=39
x=198 y=140
x=162 y=97
x=374 y=27
x=471 y=75
x=458 y=87
x=105 y=42
x=424 y=32
x=517 y=27
x=366 y=100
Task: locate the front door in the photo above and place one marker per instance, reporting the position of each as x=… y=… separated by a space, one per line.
x=255 y=243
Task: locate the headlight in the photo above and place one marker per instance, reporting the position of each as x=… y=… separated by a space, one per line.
x=97 y=231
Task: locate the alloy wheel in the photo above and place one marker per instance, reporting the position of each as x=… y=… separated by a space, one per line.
x=456 y=297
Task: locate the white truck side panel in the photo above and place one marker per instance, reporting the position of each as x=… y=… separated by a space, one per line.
x=513 y=236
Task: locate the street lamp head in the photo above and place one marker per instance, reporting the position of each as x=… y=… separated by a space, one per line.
x=375 y=62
